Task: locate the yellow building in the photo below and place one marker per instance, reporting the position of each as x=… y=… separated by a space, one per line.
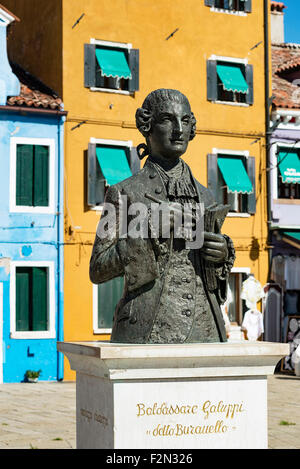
x=211 y=50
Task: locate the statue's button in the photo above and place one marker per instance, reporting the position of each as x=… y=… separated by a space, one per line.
x=183 y=313
x=188 y=313
x=132 y=320
x=189 y=296
x=158 y=190
x=132 y=281
x=188 y=280
x=184 y=279
x=152 y=175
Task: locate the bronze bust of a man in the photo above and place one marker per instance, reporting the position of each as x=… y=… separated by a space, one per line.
x=173 y=289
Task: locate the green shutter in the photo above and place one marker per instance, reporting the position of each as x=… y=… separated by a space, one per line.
x=212 y=84
x=41 y=176
x=109 y=294
x=39 y=299
x=89 y=65
x=134 y=62
x=23 y=302
x=24 y=175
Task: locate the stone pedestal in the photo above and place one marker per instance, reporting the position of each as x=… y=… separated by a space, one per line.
x=172 y=396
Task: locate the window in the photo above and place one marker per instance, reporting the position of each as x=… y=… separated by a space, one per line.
x=231 y=178
x=229 y=81
x=109 y=162
x=106 y=297
x=32 y=175
x=32 y=300
x=237 y=307
x=230 y=5
x=288 y=162
x=112 y=67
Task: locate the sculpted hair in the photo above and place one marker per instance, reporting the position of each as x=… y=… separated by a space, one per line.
x=154 y=103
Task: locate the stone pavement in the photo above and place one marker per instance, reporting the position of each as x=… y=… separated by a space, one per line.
x=42 y=415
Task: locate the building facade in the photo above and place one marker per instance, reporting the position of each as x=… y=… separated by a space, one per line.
x=105 y=59
x=282 y=302
x=31 y=253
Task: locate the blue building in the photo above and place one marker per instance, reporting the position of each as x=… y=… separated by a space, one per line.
x=31 y=226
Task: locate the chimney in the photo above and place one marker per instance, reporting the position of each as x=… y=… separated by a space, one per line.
x=9 y=83
x=277 y=22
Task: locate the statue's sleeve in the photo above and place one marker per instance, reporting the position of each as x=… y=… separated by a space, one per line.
x=222 y=272
x=105 y=262
x=117 y=254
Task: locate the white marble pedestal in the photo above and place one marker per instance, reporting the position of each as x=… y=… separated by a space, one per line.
x=172 y=396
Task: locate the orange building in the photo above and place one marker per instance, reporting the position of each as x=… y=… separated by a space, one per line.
x=214 y=52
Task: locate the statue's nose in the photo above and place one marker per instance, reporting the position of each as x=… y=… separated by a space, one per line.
x=177 y=130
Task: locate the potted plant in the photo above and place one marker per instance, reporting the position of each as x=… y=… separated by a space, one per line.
x=32 y=376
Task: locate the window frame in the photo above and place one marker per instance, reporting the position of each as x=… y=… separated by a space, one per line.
x=51 y=332
x=96 y=328
x=240 y=271
x=118 y=45
x=213 y=8
x=212 y=81
x=128 y=144
x=49 y=142
x=275 y=173
x=245 y=154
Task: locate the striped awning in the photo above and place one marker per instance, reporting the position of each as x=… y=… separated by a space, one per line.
x=113 y=63
x=235 y=175
x=232 y=78
x=113 y=163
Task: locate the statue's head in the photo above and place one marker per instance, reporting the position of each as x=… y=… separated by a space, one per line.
x=167 y=122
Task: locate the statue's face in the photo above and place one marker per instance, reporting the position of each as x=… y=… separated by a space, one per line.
x=171 y=130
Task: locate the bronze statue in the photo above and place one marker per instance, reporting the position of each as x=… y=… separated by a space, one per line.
x=173 y=290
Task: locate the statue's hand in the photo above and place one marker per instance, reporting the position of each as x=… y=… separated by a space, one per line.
x=214 y=248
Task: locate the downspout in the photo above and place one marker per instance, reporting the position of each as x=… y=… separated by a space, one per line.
x=60 y=253
x=267 y=117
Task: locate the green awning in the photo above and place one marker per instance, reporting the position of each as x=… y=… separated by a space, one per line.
x=235 y=175
x=232 y=78
x=293 y=234
x=289 y=167
x=113 y=63
x=113 y=163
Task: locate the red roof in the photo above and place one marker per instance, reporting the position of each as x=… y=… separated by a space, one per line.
x=285 y=59
x=34 y=98
x=34 y=93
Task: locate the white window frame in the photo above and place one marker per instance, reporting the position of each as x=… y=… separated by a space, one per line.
x=228 y=12
x=119 y=45
x=273 y=161
x=96 y=329
x=49 y=142
x=230 y=60
x=217 y=152
x=103 y=141
x=51 y=332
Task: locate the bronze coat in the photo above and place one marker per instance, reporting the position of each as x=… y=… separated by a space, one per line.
x=136 y=259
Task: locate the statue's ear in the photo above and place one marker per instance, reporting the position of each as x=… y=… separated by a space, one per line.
x=143 y=119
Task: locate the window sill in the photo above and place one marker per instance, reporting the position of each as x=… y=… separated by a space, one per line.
x=228 y=12
x=287 y=201
x=29 y=209
x=96 y=208
x=238 y=215
x=102 y=331
x=33 y=335
x=230 y=103
x=109 y=90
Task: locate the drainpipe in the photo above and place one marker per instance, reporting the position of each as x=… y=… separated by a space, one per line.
x=267 y=116
x=60 y=253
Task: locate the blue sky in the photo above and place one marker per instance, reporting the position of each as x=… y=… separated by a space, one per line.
x=292 y=21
